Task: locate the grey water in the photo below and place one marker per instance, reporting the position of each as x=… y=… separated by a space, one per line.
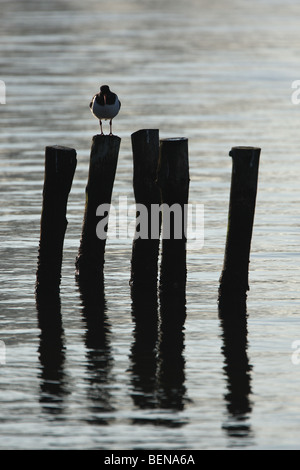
x=220 y=74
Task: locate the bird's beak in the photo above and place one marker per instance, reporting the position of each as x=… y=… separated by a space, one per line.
x=104 y=97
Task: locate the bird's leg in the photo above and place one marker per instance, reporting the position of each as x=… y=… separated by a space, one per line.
x=110 y=127
x=101 y=126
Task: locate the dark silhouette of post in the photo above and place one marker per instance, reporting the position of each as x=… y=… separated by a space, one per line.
x=173 y=180
x=102 y=170
x=145 y=247
x=234 y=278
x=60 y=165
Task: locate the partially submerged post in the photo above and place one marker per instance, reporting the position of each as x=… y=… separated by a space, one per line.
x=173 y=180
x=60 y=165
x=145 y=248
x=102 y=170
x=234 y=277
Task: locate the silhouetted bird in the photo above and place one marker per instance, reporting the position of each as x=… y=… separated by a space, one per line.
x=105 y=105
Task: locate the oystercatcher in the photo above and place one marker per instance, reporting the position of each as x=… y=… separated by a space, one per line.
x=105 y=105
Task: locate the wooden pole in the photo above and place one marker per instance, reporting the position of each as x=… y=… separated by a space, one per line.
x=60 y=165
x=173 y=180
x=145 y=247
x=102 y=170
x=144 y=267
x=234 y=277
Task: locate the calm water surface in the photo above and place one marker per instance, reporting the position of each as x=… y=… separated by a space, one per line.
x=220 y=74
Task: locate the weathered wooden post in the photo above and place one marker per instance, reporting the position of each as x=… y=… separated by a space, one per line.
x=60 y=165
x=144 y=267
x=173 y=180
x=145 y=247
x=234 y=278
x=102 y=170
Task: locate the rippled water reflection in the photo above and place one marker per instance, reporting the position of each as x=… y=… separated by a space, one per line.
x=221 y=76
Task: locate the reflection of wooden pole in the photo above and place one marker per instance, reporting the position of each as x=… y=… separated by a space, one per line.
x=51 y=354
x=173 y=180
x=234 y=277
x=102 y=170
x=60 y=165
x=236 y=365
x=145 y=248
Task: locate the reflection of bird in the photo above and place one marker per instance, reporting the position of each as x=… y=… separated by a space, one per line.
x=105 y=105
